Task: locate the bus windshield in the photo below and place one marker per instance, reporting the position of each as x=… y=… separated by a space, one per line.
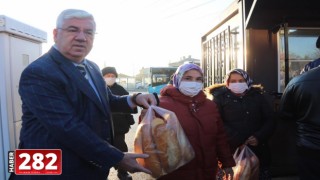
x=160 y=77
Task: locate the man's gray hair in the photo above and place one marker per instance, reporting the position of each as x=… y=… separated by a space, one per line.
x=72 y=13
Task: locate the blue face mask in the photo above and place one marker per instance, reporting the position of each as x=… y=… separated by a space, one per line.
x=190 y=88
x=238 y=88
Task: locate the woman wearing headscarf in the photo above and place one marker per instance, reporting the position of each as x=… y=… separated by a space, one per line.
x=201 y=122
x=246 y=114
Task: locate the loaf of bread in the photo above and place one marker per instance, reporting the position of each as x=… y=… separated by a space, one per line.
x=167 y=145
x=144 y=144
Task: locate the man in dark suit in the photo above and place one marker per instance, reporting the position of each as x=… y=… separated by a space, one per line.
x=67 y=106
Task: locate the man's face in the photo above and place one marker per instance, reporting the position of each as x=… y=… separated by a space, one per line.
x=75 y=38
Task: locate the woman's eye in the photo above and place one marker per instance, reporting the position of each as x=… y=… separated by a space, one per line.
x=199 y=80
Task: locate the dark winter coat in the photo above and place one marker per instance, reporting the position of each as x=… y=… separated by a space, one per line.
x=121 y=121
x=300 y=102
x=245 y=116
x=201 y=122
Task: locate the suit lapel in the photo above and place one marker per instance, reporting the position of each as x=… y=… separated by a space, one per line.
x=76 y=77
x=99 y=83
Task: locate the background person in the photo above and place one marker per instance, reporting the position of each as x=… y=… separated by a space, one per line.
x=246 y=114
x=300 y=102
x=121 y=121
x=314 y=63
x=201 y=122
x=66 y=105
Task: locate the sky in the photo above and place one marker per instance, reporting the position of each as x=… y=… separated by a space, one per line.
x=131 y=34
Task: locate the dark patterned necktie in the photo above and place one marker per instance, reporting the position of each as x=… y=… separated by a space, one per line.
x=82 y=69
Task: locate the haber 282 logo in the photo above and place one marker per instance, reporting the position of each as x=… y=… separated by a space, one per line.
x=36 y=161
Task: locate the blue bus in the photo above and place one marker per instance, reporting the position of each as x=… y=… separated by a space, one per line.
x=159 y=77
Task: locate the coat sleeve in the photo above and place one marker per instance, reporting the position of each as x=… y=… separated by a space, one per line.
x=286 y=107
x=119 y=103
x=223 y=149
x=268 y=124
x=116 y=103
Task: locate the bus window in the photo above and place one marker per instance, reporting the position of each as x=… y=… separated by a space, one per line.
x=160 y=77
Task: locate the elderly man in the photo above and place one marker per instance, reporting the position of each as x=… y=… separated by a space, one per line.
x=67 y=106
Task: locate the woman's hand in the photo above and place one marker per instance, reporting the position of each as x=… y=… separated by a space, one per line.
x=229 y=173
x=253 y=141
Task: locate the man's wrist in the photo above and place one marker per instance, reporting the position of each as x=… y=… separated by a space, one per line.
x=134 y=98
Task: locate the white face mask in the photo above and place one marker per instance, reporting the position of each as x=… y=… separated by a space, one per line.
x=110 y=81
x=238 y=88
x=190 y=88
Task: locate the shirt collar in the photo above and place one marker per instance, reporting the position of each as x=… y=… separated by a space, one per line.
x=84 y=61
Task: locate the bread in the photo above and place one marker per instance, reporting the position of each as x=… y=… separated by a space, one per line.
x=174 y=151
x=167 y=145
x=160 y=142
x=159 y=134
x=144 y=144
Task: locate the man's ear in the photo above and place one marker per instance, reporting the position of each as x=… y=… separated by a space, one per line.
x=55 y=33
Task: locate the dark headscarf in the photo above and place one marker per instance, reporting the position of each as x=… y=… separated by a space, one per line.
x=243 y=73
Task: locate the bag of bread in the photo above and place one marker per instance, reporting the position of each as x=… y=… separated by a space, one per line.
x=247 y=164
x=160 y=135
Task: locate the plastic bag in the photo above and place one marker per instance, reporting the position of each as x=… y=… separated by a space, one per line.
x=247 y=164
x=163 y=138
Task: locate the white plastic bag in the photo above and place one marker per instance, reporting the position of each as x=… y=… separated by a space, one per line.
x=247 y=164
x=161 y=136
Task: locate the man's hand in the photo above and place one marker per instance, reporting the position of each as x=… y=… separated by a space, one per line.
x=145 y=100
x=130 y=164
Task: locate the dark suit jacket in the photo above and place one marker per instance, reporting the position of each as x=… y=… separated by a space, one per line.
x=62 y=111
